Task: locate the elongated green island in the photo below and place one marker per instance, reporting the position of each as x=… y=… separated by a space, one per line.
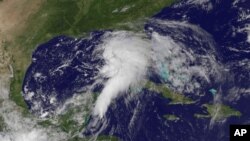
x=175 y=98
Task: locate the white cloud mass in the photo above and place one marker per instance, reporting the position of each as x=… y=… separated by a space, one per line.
x=127 y=57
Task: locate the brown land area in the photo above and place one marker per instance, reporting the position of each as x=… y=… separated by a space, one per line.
x=13 y=17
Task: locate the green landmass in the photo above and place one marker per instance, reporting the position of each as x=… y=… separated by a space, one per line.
x=45 y=123
x=218 y=112
x=171 y=117
x=175 y=98
x=2 y=124
x=67 y=123
x=74 y=18
x=107 y=138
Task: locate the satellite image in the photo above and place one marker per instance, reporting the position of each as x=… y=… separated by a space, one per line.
x=123 y=70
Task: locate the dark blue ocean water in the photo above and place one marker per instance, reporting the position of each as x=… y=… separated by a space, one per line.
x=220 y=23
x=66 y=65
x=141 y=119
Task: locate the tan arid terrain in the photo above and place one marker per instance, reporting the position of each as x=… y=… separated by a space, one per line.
x=13 y=17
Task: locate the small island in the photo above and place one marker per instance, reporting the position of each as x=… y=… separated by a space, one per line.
x=171 y=117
